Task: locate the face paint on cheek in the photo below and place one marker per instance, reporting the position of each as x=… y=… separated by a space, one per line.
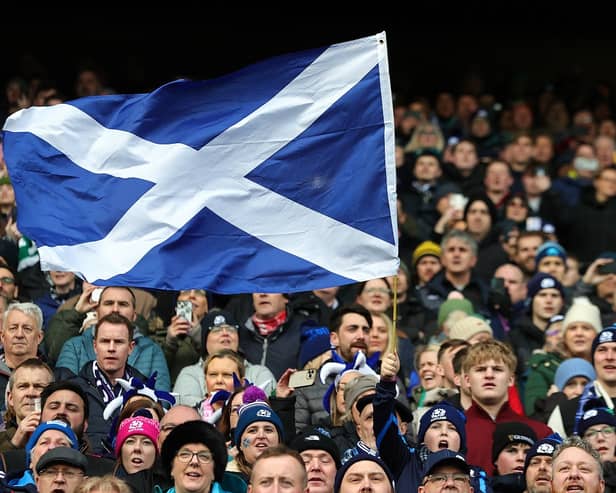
x=246 y=443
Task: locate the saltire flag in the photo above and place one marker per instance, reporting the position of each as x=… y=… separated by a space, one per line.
x=279 y=177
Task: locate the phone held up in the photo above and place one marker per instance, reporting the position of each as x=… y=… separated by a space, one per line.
x=95 y=296
x=302 y=378
x=184 y=309
x=607 y=268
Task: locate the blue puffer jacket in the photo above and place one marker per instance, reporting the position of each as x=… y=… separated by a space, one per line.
x=147 y=357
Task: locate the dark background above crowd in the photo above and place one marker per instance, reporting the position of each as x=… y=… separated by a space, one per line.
x=424 y=59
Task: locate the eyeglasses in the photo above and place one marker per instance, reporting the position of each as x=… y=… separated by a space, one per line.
x=606 y=432
x=377 y=290
x=441 y=478
x=7 y=280
x=194 y=292
x=53 y=473
x=220 y=328
x=186 y=456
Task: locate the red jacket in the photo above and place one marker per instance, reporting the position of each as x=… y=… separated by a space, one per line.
x=480 y=428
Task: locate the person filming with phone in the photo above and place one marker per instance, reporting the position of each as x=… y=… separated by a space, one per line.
x=182 y=342
x=599 y=285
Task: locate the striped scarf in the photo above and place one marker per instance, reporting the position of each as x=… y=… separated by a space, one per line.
x=104 y=385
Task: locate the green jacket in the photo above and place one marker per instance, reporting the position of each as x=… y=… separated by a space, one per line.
x=541 y=370
x=6 y=436
x=179 y=352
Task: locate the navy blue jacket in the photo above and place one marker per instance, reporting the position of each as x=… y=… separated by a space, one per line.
x=406 y=462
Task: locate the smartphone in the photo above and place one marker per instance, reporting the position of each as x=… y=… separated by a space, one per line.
x=95 y=296
x=607 y=268
x=302 y=378
x=184 y=309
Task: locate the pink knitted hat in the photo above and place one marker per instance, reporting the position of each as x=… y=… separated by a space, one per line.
x=138 y=425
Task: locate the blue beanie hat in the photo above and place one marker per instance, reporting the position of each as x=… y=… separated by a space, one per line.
x=314 y=341
x=545 y=446
x=358 y=458
x=574 y=367
x=50 y=425
x=254 y=412
x=606 y=335
x=443 y=412
x=540 y=281
x=550 y=249
x=597 y=416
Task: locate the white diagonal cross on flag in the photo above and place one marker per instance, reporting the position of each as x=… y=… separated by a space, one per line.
x=224 y=161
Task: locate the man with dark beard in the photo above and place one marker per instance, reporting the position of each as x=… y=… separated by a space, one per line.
x=349 y=328
x=67 y=402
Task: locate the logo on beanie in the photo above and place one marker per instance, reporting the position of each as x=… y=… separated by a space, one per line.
x=520 y=438
x=313 y=438
x=606 y=336
x=219 y=320
x=590 y=414
x=438 y=413
x=264 y=413
x=545 y=448
x=547 y=283
x=135 y=425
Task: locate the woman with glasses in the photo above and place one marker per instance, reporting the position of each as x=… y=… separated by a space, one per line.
x=598 y=427
x=194 y=455
x=219 y=331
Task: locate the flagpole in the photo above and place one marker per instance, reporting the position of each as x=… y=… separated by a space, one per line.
x=392 y=343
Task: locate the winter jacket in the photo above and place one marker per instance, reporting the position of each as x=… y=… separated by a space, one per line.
x=480 y=428
x=7 y=435
x=279 y=350
x=179 y=353
x=309 y=410
x=50 y=302
x=405 y=462
x=67 y=322
x=592 y=221
x=5 y=374
x=509 y=483
x=14 y=462
x=609 y=475
x=525 y=338
x=566 y=411
x=437 y=290
x=147 y=357
x=541 y=370
x=98 y=427
x=190 y=384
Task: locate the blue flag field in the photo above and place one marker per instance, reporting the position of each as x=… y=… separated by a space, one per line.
x=279 y=177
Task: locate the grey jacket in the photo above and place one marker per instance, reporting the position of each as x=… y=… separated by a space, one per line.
x=190 y=384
